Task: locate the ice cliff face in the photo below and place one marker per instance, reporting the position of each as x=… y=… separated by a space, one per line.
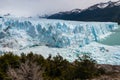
x=68 y=38
x=22 y=33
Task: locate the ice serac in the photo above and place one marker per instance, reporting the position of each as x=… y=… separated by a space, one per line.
x=22 y=33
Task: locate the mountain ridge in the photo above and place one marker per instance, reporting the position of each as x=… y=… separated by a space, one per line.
x=103 y=12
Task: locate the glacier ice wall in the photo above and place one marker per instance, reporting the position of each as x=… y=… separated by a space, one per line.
x=22 y=33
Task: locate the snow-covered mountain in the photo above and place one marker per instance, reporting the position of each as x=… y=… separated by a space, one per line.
x=109 y=11
x=105 y=5
x=69 y=38
x=74 y=11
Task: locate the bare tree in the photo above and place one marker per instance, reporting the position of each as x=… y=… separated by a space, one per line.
x=26 y=71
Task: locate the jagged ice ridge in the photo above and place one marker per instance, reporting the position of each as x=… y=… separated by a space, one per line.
x=69 y=38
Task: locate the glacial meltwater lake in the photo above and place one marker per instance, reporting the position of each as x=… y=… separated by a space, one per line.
x=113 y=39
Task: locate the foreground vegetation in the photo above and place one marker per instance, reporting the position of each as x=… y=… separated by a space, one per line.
x=36 y=67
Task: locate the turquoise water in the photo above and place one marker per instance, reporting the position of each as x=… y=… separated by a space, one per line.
x=113 y=39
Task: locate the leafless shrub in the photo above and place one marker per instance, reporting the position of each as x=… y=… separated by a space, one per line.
x=26 y=71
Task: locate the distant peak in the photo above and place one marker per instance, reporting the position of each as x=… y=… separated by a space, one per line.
x=117 y=3
x=110 y=2
x=76 y=10
x=104 y=5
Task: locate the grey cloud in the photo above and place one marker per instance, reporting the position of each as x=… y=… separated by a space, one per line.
x=33 y=7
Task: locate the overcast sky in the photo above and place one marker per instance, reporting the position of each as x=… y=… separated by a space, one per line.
x=34 y=7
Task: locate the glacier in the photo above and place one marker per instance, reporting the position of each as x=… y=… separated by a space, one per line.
x=26 y=33
x=67 y=38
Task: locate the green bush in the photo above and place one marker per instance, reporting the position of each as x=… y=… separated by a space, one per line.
x=85 y=68
x=7 y=60
x=53 y=68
